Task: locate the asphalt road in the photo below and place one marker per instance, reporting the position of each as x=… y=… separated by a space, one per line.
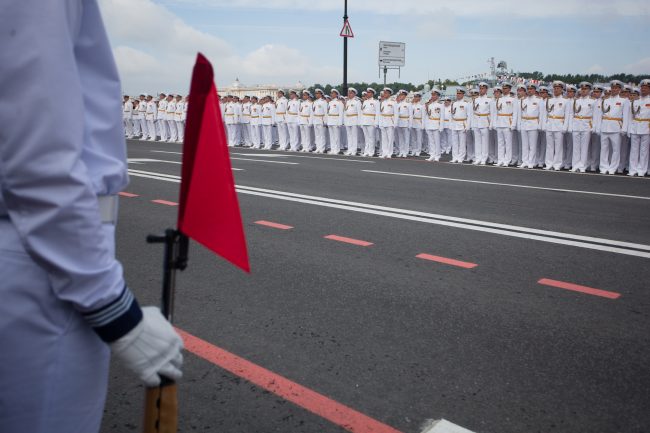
x=398 y=338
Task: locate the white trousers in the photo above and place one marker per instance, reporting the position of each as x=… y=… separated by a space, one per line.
x=173 y=135
x=369 y=135
x=581 y=141
x=445 y=140
x=335 y=138
x=516 y=147
x=256 y=138
x=529 y=147
x=352 y=136
x=481 y=144
x=246 y=134
x=294 y=136
x=136 y=127
x=594 y=152
x=180 y=130
x=504 y=145
x=403 y=138
x=568 y=150
x=416 y=141
x=624 y=163
x=267 y=133
x=143 y=127
x=434 y=146
x=163 y=129
x=554 y=149
x=387 y=141
x=128 y=127
x=639 y=145
x=610 y=151
x=493 y=151
x=319 y=138
x=283 y=136
x=306 y=138
x=470 y=154
x=458 y=145
x=231 y=129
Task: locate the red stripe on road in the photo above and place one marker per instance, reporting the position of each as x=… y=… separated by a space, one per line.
x=447 y=261
x=579 y=288
x=165 y=202
x=349 y=240
x=274 y=225
x=331 y=410
x=127 y=194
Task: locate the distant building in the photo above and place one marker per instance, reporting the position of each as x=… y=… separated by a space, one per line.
x=259 y=90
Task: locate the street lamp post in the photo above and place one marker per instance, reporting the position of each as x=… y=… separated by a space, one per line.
x=345 y=52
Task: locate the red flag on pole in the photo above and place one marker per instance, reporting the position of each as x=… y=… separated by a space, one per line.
x=208 y=210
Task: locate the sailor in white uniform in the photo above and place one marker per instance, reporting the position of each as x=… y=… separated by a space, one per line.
x=556 y=123
x=170 y=118
x=639 y=130
x=335 y=113
x=403 y=127
x=461 y=115
x=255 y=128
x=417 y=124
x=353 y=110
x=179 y=118
x=614 y=125
x=150 y=116
x=305 y=121
x=318 y=120
x=281 y=107
x=582 y=125
x=433 y=123
x=293 y=116
x=65 y=305
x=127 y=116
x=370 y=121
x=504 y=121
x=387 y=121
x=246 y=121
x=161 y=115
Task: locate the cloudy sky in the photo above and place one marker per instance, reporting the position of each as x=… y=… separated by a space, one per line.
x=284 y=41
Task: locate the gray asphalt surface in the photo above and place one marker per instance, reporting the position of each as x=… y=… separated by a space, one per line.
x=397 y=338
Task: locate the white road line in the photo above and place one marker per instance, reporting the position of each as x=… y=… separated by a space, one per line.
x=261 y=160
x=451 y=179
x=166 y=151
x=143 y=160
x=587 y=242
x=312 y=157
x=444 y=426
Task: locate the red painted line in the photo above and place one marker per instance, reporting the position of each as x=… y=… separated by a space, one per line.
x=349 y=240
x=331 y=410
x=274 y=225
x=445 y=260
x=128 y=194
x=165 y=202
x=579 y=288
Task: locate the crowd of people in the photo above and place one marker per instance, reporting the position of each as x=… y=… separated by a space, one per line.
x=589 y=127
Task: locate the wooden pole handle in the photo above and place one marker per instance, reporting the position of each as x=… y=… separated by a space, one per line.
x=161 y=408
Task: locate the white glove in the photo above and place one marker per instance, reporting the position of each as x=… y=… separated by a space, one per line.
x=151 y=349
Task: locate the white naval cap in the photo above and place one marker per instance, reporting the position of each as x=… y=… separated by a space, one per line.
x=335 y=91
x=370 y=89
x=627 y=87
x=618 y=83
x=636 y=90
x=461 y=90
x=571 y=87
x=319 y=91
x=533 y=85
x=558 y=83
x=586 y=84
x=352 y=89
x=506 y=84
x=329 y=98
x=599 y=87
x=402 y=92
x=483 y=84
x=417 y=94
x=436 y=90
x=388 y=89
x=499 y=88
x=474 y=91
x=521 y=86
x=645 y=82
x=447 y=98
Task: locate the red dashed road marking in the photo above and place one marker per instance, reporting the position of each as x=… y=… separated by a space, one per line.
x=445 y=260
x=128 y=194
x=579 y=288
x=349 y=240
x=331 y=410
x=165 y=202
x=274 y=225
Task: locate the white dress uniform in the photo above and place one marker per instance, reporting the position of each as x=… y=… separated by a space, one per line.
x=335 y=113
x=581 y=125
x=461 y=122
x=556 y=124
x=434 y=125
x=268 y=120
x=482 y=114
x=614 y=123
x=445 y=139
x=60 y=168
x=504 y=119
x=530 y=123
x=293 y=128
x=232 y=114
x=179 y=119
x=161 y=117
x=318 y=120
x=639 y=129
x=246 y=123
x=593 y=158
x=353 y=111
x=417 y=128
x=281 y=107
x=387 y=121
x=404 y=119
x=255 y=128
x=142 y=116
x=127 y=118
x=136 y=118
x=370 y=109
x=150 y=116
x=305 y=122
x=171 y=121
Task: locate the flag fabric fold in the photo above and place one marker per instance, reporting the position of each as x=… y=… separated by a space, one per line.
x=209 y=210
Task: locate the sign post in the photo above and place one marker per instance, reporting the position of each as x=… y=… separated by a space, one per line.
x=392 y=55
x=346 y=32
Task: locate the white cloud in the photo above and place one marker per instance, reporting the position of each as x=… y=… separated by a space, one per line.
x=595 y=69
x=155 y=51
x=641 y=67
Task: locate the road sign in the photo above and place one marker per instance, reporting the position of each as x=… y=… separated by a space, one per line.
x=346 y=31
x=391 y=53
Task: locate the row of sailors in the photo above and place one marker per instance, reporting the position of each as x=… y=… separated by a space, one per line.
x=580 y=130
x=149 y=118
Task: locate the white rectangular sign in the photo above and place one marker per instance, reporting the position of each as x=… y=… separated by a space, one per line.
x=392 y=53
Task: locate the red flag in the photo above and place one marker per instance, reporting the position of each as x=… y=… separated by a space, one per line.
x=208 y=210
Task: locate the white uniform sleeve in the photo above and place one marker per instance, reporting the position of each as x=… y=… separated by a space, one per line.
x=46 y=185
